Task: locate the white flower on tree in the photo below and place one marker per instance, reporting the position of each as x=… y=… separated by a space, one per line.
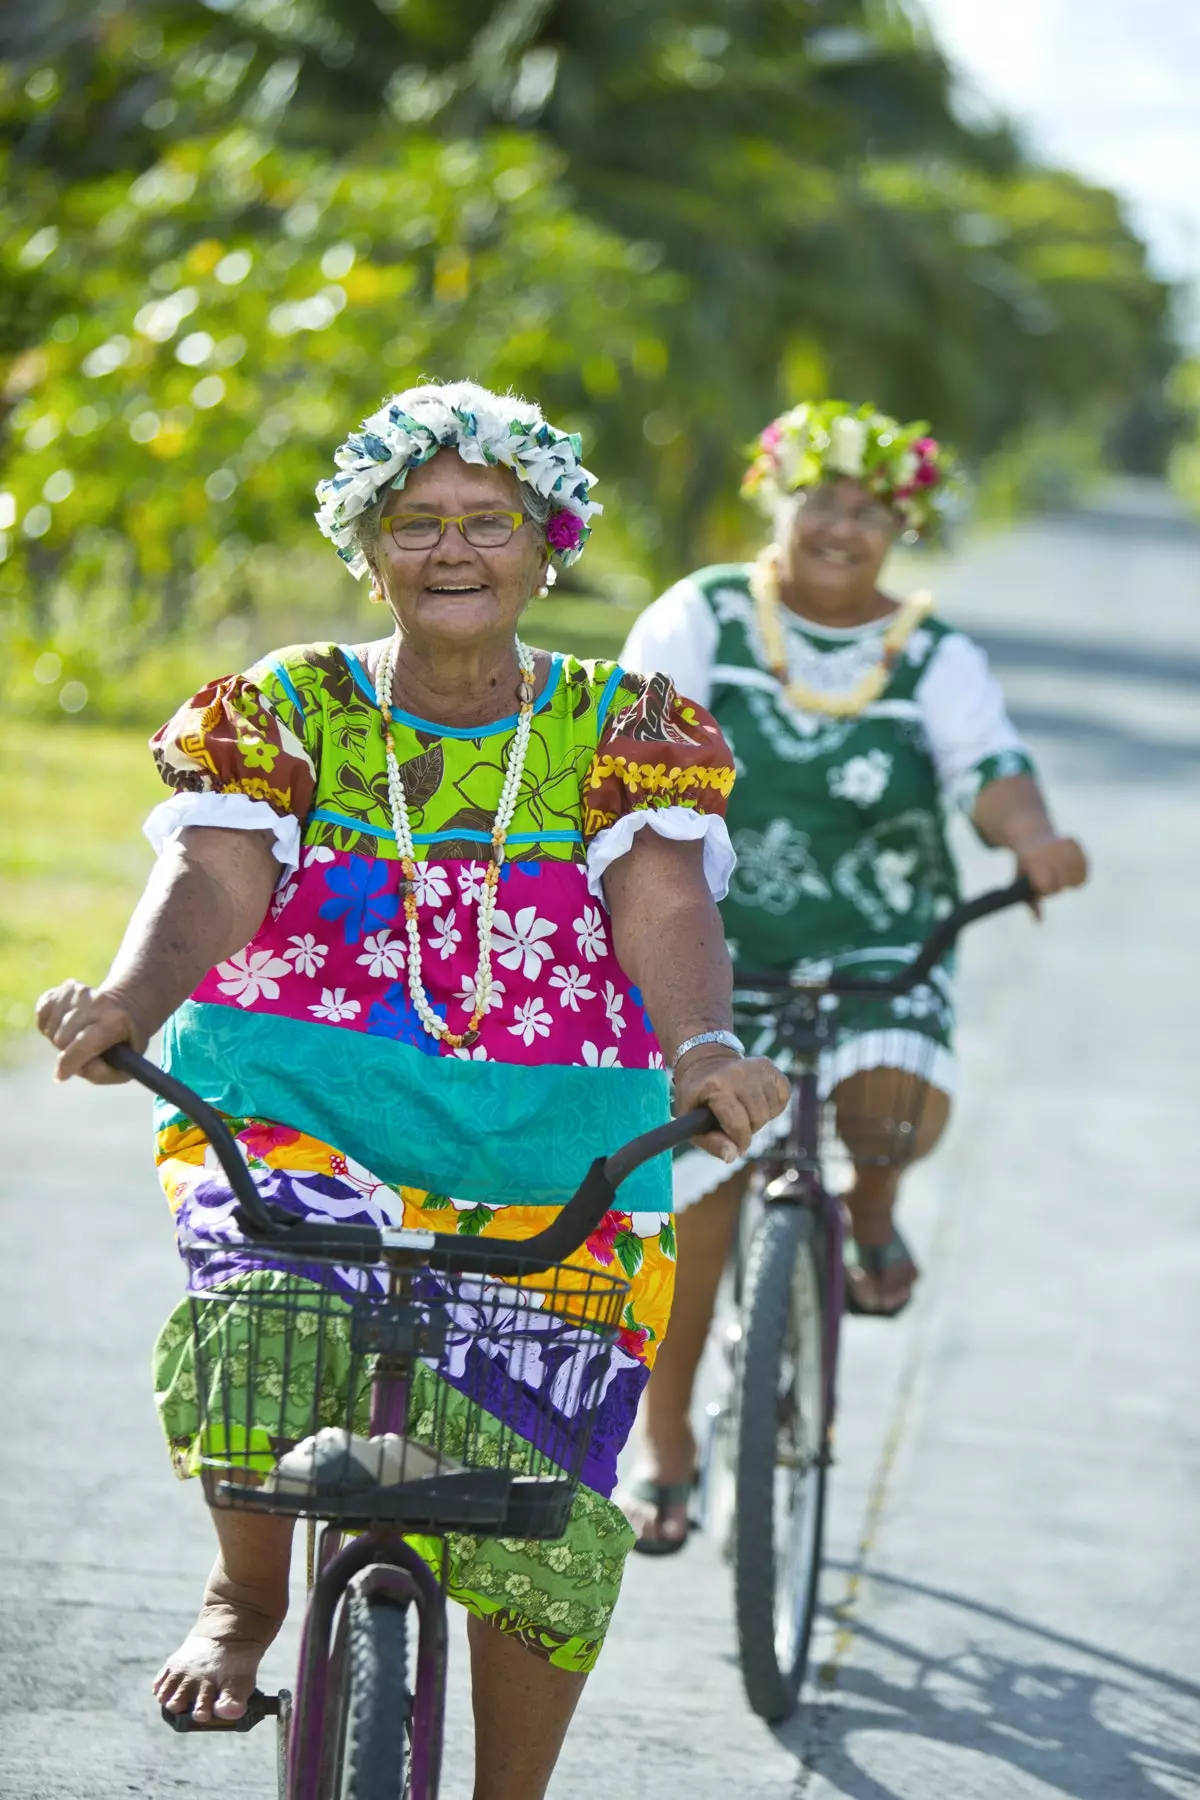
x=471 y=881
x=863 y=779
x=467 y=991
x=614 y=1006
x=590 y=934
x=574 y=985
x=431 y=885
x=305 y=954
x=335 y=1007
x=532 y=1021
x=250 y=974
x=599 y=1059
x=520 y=943
x=446 y=936
x=383 y=955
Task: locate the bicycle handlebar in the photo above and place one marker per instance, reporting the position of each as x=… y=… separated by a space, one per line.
x=941 y=938
x=595 y=1195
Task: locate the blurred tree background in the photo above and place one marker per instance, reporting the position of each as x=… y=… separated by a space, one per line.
x=230 y=228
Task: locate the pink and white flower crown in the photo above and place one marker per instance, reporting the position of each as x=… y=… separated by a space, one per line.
x=906 y=468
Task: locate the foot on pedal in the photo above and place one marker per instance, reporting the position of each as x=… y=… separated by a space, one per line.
x=260 y=1706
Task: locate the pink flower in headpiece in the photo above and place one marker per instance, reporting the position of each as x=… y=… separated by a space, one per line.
x=770 y=437
x=926 y=447
x=564 y=530
x=926 y=475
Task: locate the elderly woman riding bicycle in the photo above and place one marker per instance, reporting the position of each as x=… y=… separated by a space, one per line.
x=856 y=722
x=406 y=932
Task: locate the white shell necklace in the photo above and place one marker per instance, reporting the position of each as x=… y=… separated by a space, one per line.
x=436 y=1028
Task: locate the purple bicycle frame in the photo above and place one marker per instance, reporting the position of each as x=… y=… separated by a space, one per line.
x=377 y=1562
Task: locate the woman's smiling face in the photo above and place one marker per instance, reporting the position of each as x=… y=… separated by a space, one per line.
x=837 y=543
x=454 y=592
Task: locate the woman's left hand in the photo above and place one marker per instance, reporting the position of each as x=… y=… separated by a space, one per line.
x=1053 y=865
x=744 y=1093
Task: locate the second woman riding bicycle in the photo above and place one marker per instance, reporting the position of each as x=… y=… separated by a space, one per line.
x=856 y=723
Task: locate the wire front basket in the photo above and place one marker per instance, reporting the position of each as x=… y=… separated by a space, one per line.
x=407 y=1394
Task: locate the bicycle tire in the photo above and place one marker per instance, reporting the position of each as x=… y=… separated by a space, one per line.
x=783 y=1293
x=374 y=1710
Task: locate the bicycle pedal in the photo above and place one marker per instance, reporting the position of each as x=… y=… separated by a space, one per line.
x=260 y=1706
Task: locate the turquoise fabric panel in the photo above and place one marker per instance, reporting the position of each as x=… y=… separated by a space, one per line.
x=497 y=1132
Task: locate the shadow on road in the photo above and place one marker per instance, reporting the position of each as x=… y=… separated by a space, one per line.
x=1045 y=1713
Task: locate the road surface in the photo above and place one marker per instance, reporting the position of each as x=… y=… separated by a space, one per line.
x=1011 y=1604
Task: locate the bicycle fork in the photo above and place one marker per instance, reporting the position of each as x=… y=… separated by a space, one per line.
x=375 y=1563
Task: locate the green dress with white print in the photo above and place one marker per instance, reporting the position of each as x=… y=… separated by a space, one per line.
x=839 y=824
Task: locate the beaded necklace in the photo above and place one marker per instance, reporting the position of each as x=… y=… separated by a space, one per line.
x=457 y=1040
x=764 y=586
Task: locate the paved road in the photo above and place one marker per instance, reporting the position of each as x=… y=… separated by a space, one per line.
x=1011 y=1607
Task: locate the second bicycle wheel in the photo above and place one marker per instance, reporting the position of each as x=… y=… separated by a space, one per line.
x=780 y=1458
x=373 y=1712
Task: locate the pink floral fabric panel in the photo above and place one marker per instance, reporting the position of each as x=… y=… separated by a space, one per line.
x=334 y=952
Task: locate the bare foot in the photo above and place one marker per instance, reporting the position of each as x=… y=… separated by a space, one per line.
x=213 y=1672
x=670 y=1462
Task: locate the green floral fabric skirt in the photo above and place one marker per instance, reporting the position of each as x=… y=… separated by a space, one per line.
x=555 y=1597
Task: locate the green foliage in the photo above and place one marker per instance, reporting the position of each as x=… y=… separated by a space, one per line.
x=1184 y=466
x=234 y=310
x=229 y=229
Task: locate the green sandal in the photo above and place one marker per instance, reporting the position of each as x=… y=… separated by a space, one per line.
x=875 y=1261
x=660 y=1495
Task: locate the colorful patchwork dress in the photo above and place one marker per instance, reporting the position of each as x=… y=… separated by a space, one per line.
x=307 y=1040
x=839 y=825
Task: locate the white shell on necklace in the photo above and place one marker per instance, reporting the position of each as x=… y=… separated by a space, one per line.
x=402 y=827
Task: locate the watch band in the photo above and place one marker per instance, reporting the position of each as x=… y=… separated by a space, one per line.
x=708 y=1037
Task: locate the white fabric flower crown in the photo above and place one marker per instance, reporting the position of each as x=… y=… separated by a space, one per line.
x=484 y=428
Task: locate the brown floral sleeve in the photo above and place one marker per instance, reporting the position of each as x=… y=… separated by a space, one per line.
x=659 y=750
x=229 y=739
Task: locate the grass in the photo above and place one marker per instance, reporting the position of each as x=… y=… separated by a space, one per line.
x=72 y=856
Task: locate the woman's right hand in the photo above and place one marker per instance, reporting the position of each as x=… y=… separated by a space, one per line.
x=82 y=1022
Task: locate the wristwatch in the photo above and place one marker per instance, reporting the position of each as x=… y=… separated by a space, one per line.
x=708 y=1037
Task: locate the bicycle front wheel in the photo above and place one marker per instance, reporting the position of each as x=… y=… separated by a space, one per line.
x=781 y=1458
x=373 y=1712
